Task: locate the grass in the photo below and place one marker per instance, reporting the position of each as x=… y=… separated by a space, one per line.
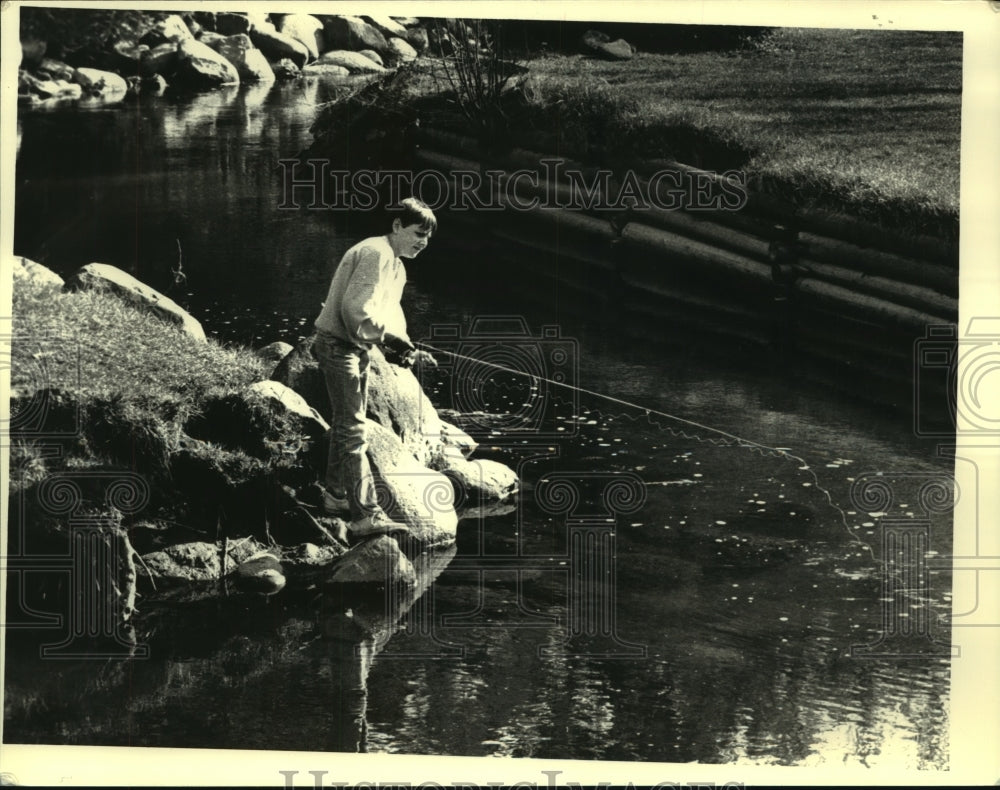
x=124 y=387
x=863 y=122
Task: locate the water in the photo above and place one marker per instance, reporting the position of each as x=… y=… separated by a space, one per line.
x=737 y=603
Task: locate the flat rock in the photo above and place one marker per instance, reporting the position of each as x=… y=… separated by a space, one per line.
x=354 y=62
x=103 y=276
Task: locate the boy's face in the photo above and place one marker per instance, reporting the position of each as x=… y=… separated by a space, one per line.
x=409 y=240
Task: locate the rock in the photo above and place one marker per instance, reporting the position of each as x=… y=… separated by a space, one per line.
x=55 y=70
x=453 y=436
x=212 y=38
x=199 y=66
x=481 y=481
x=354 y=62
x=105 y=84
x=154 y=86
x=376 y=561
x=32 y=52
x=275 y=352
x=258 y=20
x=406 y=21
x=399 y=52
x=309 y=555
x=232 y=24
x=353 y=33
x=300 y=371
x=161 y=59
x=207 y=20
x=102 y=276
x=192 y=24
x=47 y=89
x=249 y=61
x=193 y=562
x=126 y=56
x=601 y=44
x=277 y=45
x=410 y=492
x=325 y=70
x=261 y=573
x=292 y=402
x=417 y=38
x=169 y=30
x=386 y=25
x=398 y=402
x=304 y=28
x=35 y=273
x=285 y=69
x=373 y=56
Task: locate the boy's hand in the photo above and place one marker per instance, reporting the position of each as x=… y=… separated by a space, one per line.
x=419 y=358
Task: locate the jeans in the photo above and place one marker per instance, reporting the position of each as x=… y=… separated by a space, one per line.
x=345 y=369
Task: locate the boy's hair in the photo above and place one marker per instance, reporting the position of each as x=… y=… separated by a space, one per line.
x=414 y=211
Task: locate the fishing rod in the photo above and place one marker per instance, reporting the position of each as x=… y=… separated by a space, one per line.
x=739 y=440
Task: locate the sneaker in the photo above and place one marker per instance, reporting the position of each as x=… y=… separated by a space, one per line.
x=334 y=505
x=375 y=524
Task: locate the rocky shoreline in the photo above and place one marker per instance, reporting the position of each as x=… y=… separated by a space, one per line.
x=250 y=459
x=208 y=49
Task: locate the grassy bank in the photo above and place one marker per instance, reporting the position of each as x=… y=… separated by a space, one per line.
x=118 y=388
x=862 y=122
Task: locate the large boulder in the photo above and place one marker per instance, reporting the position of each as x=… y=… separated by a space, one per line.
x=600 y=44
x=161 y=59
x=409 y=492
x=377 y=561
x=29 y=85
x=103 y=276
x=354 y=62
x=399 y=51
x=199 y=66
x=300 y=371
x=353 y=33
x=29 y=271
x=172 y=30
x=277 y=45
x=304 y=28
x=103 y=84
x=398 y=402
x=249 y=61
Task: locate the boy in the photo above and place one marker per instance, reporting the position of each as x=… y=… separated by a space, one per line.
x=362 y=309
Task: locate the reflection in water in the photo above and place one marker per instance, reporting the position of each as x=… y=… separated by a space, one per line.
x=746 y=588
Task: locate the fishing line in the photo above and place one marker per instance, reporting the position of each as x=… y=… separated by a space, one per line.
x=738 y=440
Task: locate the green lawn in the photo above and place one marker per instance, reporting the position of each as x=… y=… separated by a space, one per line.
x=867 y=122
